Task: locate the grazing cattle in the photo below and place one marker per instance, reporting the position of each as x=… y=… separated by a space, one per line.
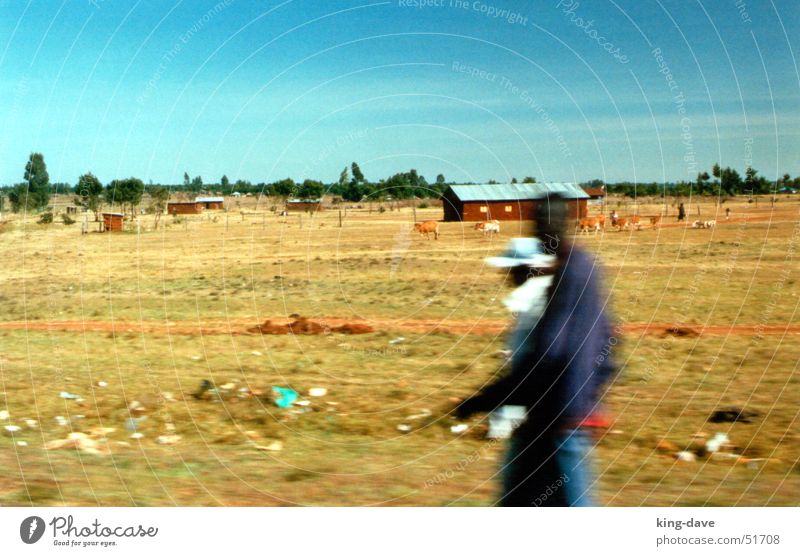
x=587 y=224
x=709 y=223
x=427 y=227
x=697 y=224
x=655 y=220
x=488 y=227
x=621 y=223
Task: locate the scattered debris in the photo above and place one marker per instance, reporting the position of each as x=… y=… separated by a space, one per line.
x=256 y=353
x=284 y=397
x=61 y=421
x=101 y=432
x=136 y=407
x=667 y=446
x=21 y=443
x=4 y=415
x=79 y=441
x=252 y=435
x=404 y=428
x=274 y=446
x=715 y=444
x=502 y=354
x=11 y=429
x=102 y=383
x=726 y=456
x=137 y=436
x=397 y=340
x=733 y=415
x=302 y=403
x=228 y=386
x=69 y=396
x=458 y=429
x=206 y=387
x=168 y=396
x=421 y=415
x=31 y=423
x=685 y=456
x=317 y=392
x=196 y=358
x=132 y=423
x=168 y=439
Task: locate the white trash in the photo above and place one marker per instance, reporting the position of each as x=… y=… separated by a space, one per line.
x=317 y=392
x=458 y=429
x=504 y=420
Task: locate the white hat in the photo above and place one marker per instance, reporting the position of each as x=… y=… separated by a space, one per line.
x=522 y=251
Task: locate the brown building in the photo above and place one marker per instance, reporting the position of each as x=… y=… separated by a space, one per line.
x=113 y=221
x=304 y=205
x=509 y=201
x=185 y=207
x=211 y=203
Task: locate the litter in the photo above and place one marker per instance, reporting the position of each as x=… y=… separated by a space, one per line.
x=102 y=383
x=397 y=340
x=303 y=403
x=31 y=423
x=21 y=443
x=69 y=396
x=137 y=407
x=404 y=428
x=317 y=392
x=720 y=439
x=733 y=415
x=285 y=397
x=61 y=421
x=101 y=431
x=196 y=358
x=228 y=386
x=133 y=423
x=424 y=413
x=256 y=353
x=504 y=420
x=685 y=456
x=4 y=415
x=725 y=456
x=274 y=446
x=137 y=436
x=206 y=386
x=11 y=429
x=78 y=441
x=168 y=439
x=666 y=446
x=458 y=429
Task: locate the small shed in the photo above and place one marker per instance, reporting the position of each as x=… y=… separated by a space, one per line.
x=597 y=195
x=185 y=207
x=508 y=201
x=304 y=205
x=211 y=203
x=113 y=221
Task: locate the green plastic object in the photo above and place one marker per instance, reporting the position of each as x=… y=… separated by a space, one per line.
x=286 y=396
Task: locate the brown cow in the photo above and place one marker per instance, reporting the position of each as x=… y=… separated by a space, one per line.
x=655 y=220
x=620 y=223
x=586 y=224
x=427 y=227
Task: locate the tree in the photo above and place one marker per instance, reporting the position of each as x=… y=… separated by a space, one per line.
x=186 y=179
x=127 y=192
x=358 y=177
x=440 y=179
x=311 y=189
x=159 y=196
x=513 y=180
x=89 y=194
x=284 y=188
x=224 y=181
x=528 y=179
x=38 y=182
x=344 y=177
x=702 y=183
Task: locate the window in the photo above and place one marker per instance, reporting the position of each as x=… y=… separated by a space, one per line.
x=484 y=209
x=508 y=208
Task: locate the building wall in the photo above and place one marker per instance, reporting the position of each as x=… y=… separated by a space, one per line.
x=216 y=205
x=303 y=207
x=112 y=223
x=477 y=211
x=185 y=208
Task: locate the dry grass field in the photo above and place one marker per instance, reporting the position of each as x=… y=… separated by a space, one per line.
x=132 y=322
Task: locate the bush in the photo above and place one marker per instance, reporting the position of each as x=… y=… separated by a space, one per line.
x=423 y=205
x=67 y=220
x=46 y=218
x=381 y=210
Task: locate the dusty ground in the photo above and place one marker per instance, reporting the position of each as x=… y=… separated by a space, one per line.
x=708 y=319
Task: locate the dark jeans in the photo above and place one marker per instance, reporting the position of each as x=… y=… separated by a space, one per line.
x=553 y=470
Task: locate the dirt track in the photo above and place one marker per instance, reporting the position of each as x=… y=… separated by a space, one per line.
x=482 y=327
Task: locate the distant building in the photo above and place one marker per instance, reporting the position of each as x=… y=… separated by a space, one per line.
x=185 y=207
x=304 y=205
x=508 y=201
x=597 y=195
x=211 y=203
x=113 y=221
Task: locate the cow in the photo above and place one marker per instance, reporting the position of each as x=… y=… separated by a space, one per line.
x=425 y=228
x=587 y=224
x=697 y=224
x=621 y=223
x=709 y=224
x=655 y=220
x=488 y=227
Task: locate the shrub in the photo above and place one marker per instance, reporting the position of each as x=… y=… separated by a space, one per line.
x=67 y=219
x=423 y=205
x=46 y=218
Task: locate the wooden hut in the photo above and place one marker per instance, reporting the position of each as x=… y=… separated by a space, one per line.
x=113 y=221
x=508 y=201
x=211 y=203
x=304 y=205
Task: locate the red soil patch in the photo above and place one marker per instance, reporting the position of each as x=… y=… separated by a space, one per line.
x=301 y=325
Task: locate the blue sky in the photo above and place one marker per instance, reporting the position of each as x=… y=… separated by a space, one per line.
x=477 y=90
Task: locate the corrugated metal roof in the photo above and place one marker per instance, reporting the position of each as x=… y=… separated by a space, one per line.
x=209 y=199
x=517 y=191
x=298 y=201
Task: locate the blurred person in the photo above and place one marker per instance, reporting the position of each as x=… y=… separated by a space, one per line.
x=681 y=213
x=562 y=361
